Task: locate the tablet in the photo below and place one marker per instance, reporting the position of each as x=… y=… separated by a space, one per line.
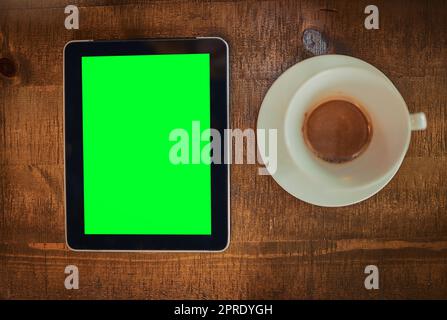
x=139 y=117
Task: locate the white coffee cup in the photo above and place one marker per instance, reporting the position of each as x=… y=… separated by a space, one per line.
x=384 y=106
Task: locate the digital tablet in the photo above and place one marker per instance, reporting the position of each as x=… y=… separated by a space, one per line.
x=139 y=117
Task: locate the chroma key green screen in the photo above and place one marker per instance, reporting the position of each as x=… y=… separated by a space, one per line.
x=130 y=104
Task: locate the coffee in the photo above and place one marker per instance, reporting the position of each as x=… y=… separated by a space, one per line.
x=337 y=131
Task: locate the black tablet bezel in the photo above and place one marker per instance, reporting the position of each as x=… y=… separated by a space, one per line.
x=76 y=238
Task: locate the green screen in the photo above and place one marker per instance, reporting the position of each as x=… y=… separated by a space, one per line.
x=130 y=104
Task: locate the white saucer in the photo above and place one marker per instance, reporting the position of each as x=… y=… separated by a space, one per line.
x=271 y=116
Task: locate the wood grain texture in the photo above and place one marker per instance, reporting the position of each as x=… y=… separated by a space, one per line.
x=280 y=247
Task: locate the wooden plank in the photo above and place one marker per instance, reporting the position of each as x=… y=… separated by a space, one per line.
x=281 y=247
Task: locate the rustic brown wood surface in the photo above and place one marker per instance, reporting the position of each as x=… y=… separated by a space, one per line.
x=280 y=247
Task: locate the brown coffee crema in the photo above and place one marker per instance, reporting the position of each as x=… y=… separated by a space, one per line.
x=337 y=131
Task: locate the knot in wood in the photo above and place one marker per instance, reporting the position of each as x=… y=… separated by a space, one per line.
x=314 y=42
x=7 y=67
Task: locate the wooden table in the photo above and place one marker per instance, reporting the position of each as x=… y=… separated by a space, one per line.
x=280 y=247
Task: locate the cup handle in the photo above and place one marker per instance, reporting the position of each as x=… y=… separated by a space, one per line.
x=418 y=121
